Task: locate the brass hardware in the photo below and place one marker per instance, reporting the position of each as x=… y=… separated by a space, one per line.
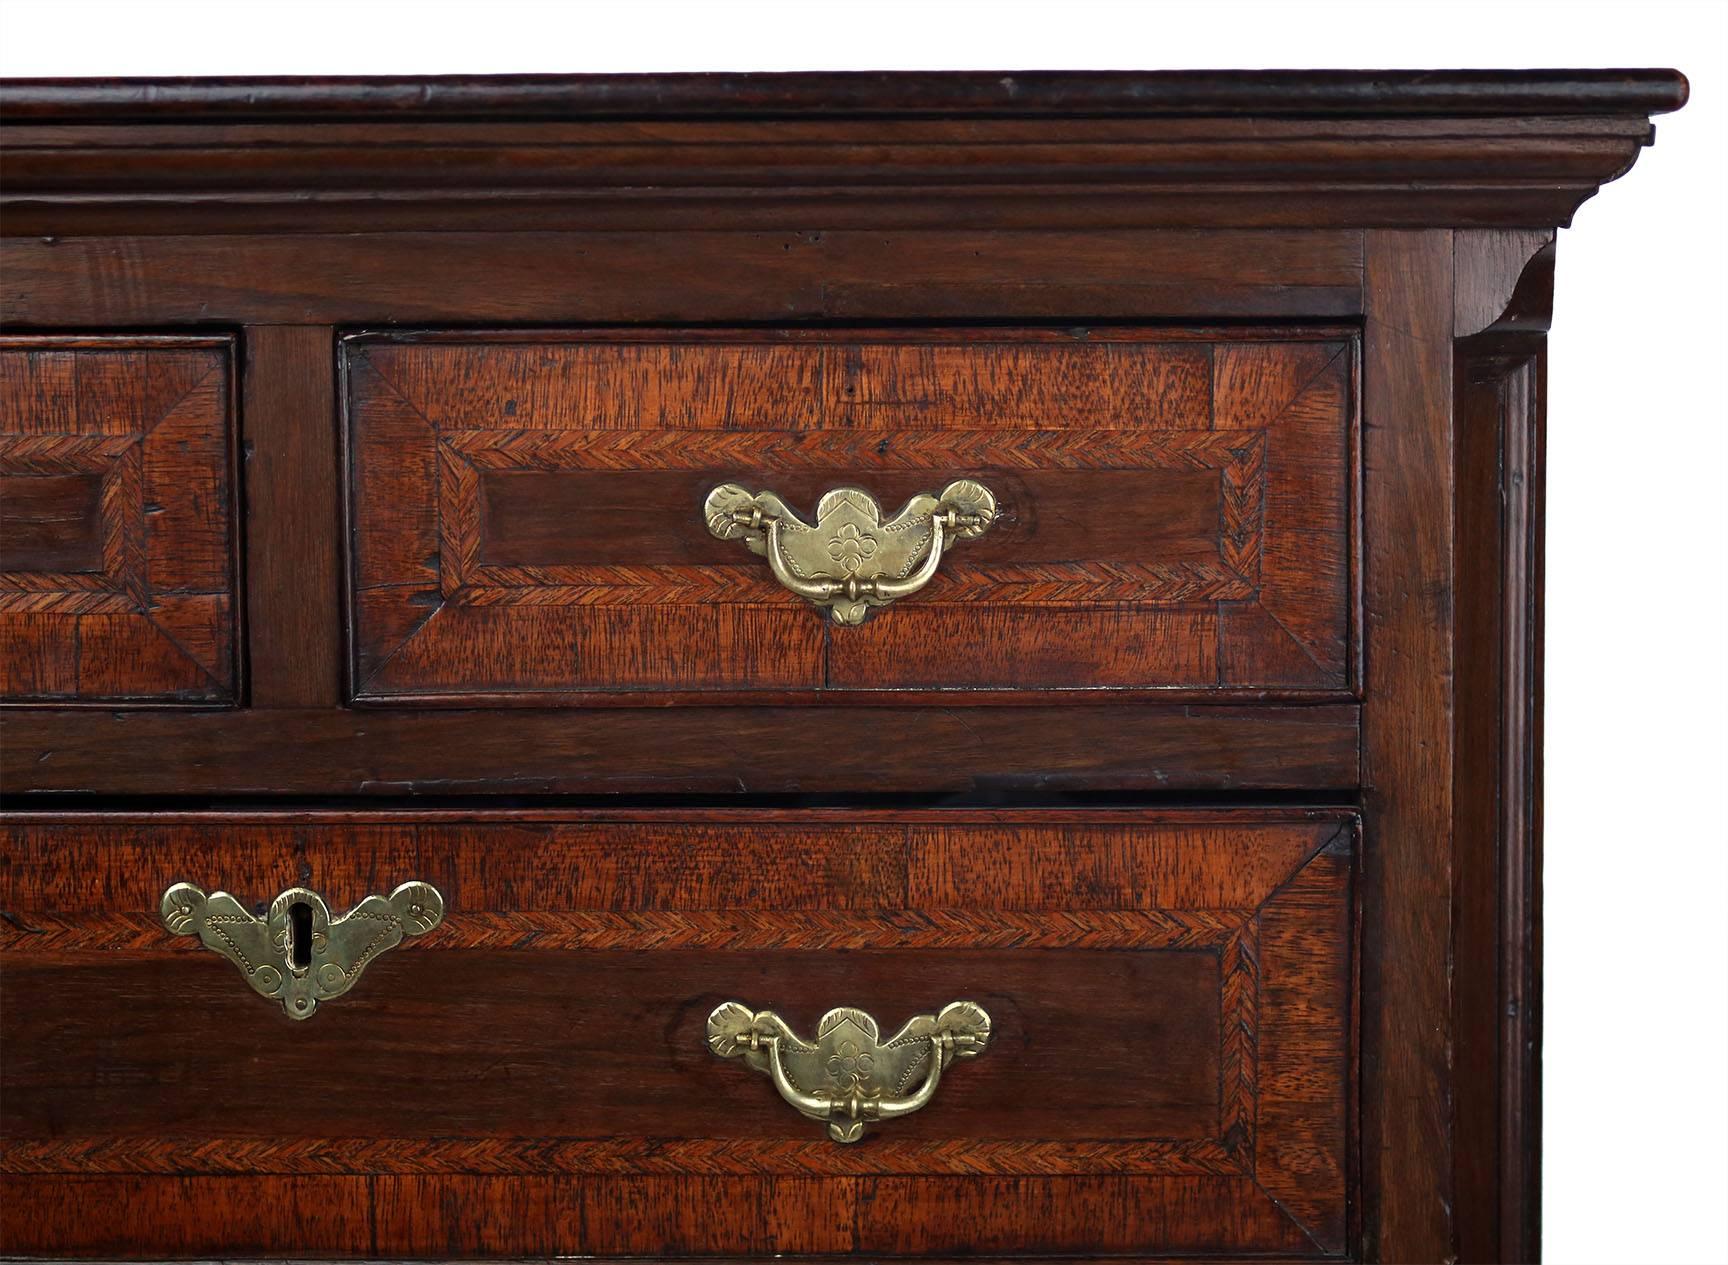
x=297 y=952
x=851 y=560
x=848 y=1077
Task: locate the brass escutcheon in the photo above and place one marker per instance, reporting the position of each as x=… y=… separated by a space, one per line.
x=297 y=953
x=848 y=1077
x=850 y=560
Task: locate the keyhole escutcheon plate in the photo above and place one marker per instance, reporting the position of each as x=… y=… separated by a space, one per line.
x=297 y=953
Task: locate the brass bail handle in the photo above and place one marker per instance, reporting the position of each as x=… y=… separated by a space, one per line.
x=849 y=560
x=848 y=1076
x=297 y=953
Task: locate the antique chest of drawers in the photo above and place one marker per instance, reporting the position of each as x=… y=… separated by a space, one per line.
x=741 y=666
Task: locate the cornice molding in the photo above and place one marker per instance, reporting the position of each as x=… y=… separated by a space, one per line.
x=878 y=94
x=812 y=152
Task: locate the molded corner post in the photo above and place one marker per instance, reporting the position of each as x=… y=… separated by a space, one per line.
x=1453 y=344
x=1503 y=300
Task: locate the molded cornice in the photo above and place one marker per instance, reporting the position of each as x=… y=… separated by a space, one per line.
x=808 y=151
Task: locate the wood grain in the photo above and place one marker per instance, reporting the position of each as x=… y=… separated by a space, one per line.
x=1175 y=511
x=1022 y=151
x=293 y=516
x=783 y=750
x=634 y=1065
x=51 y=522
x=1499 y=385
x=1408 y=746
x=381 y=100
x=1161 y=936
x=119 y=547
x=1064 y=271
x=539 y=277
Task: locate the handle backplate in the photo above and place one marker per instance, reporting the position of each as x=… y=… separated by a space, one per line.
x=849 y=1076
x=851 y=560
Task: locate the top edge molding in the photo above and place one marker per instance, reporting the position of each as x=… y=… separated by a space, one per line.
x=861 y=95
x=795 y=153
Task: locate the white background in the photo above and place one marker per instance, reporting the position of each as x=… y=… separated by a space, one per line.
x=1636 y=1092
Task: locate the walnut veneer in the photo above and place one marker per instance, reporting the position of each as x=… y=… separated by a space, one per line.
x=355 y=437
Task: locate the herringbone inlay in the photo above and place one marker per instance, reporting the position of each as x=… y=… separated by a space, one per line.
x=547 y=496
x=715 y=929
x=1237 y=456
x=1037 y=911
x=192 y=1155
x=153 y=617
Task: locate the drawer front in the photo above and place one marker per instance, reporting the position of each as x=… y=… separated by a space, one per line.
x=1169 y=510
x=1168 y=1069
x=117 y=544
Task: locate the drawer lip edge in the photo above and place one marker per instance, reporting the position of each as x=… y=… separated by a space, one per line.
x=1150 y=814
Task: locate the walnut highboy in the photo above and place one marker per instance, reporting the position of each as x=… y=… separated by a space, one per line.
x=869 y=665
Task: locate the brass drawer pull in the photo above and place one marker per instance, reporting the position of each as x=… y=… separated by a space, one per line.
x=298 y=953
x=851 y=560
x=848 y=1077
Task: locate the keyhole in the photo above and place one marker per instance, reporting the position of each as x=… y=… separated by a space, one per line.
x=300 y=934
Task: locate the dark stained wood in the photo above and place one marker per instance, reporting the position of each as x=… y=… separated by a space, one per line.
x=1029 y=1215
x=1205 y=957
x=509 y=1029
x=682 y=751
x=1017 y=94
x=537 y=277
x=1499 y=387
x=1022 y=151
x=1202 y=251
x=51 y=522
x=1408 y=746
x=575 y=518
x=293 y=516
x=1175 y=510
x=1503 y=281
x=520 y=1216
x=75 y=1215
x=118 y=544
x=1178 y=174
